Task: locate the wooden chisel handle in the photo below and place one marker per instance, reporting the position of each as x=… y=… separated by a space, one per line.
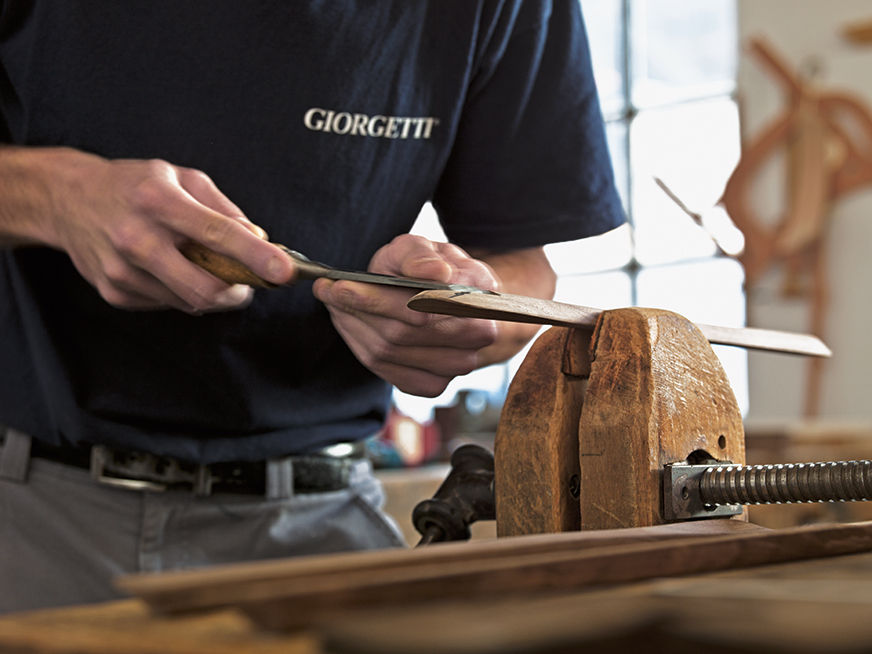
x=232 y=271
x=223 y=267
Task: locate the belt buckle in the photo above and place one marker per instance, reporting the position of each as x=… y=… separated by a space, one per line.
x=100 y=456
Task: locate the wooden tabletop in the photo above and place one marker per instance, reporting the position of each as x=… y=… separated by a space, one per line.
x=809 y=606
x=128 y=627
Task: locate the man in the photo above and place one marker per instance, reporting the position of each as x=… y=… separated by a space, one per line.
x=158 y=418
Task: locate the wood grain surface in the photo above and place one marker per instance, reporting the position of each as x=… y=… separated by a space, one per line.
x=291 y=595
x=221 y=586
x=519 y=308
x=536 y=473
x=296 y=607
x=657 y=394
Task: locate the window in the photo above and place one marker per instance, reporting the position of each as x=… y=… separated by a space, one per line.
x=665 y=71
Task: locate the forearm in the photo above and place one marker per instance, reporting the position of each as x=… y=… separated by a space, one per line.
x=521 y=272
x=29 y=183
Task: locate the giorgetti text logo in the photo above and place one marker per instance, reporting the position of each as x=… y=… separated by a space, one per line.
x=376 y=126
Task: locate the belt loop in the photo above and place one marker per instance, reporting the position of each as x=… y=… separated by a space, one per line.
x=15 y=456
x=279 y=479
x=202 y=481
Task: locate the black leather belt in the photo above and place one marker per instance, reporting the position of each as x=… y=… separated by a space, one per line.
x=326 y=470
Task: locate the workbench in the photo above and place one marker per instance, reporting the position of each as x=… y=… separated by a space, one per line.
x=808 y=606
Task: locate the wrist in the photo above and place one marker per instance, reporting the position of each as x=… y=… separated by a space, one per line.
x=34 y=182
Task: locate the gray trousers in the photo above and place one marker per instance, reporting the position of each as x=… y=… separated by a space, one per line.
x=64 y=536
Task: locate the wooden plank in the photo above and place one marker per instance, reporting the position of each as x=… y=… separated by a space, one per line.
x=293 y=606
x=519 y=308
x=292 y=601
x=221 y=586
x=657 y=393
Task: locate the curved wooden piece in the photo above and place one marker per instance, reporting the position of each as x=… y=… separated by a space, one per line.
x=858 y=32
x=856 y=170
x=657 y=392
x=826 y=161
x=536 y=446
x=810 y=173
x=736 y=197
x=777 y=66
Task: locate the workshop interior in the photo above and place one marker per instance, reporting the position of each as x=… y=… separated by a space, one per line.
x=681 y=459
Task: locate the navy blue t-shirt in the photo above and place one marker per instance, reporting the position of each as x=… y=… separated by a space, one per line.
x=330 y=124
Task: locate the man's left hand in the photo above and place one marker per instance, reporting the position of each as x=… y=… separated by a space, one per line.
x=419 y=353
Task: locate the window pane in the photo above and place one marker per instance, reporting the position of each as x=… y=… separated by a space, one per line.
x=682 y=49
x=427 y=224
x=610 y=250
x=708 y=292
x=616 y=137
x=603 y=291
x=693 y=148
x=605 y=31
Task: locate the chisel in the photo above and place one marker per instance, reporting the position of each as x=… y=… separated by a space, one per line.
x=472 y=302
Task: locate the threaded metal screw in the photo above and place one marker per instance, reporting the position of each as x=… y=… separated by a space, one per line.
x=830 y=481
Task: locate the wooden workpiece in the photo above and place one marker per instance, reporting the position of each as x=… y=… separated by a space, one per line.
x=521 y=308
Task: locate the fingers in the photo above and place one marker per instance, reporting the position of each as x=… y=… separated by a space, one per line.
x=416 y=352
x=122 y=222
x=201 y=187
x=129 y=287
x=385 y=310
x=414 y=256
x=138 y=262
x=415 y=360
x=187 y=203
x=359 y=299
x=157 y=296
x=203 y=190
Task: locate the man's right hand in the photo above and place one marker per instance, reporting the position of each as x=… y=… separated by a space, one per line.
x=122 y=222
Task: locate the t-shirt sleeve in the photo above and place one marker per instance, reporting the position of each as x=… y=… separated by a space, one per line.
x=530 y=164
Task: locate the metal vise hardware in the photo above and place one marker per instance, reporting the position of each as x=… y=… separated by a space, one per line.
x=720 y=488
x=681 y=493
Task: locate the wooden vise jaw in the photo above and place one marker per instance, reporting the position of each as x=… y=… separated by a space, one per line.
x=591 y=419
